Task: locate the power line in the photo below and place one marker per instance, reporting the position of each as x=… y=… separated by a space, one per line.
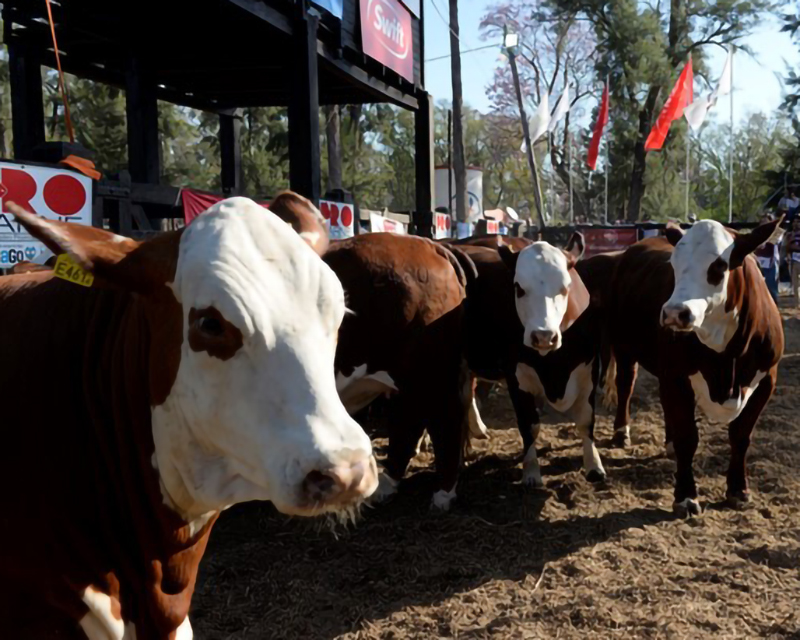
x=488 y=46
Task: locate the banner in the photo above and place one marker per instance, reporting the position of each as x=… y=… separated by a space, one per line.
x=386 y=35
x=442 y=225
x=605 y=240
x=339 y=219
x=55 y=194
x=196 y=202
x=379 y=223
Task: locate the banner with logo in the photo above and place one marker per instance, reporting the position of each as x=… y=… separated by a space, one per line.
x=339 y=218
x=379 y=223
x=442 y=225
x=605 y=240
x=55 y=194
x=386 y=35
x=196 y=202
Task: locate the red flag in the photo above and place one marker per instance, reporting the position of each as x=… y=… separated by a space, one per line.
x=602 y=121
x=680 y=98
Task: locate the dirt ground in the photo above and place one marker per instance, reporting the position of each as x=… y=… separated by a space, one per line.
x=569 y=561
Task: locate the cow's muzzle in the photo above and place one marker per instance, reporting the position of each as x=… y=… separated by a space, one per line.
x=341 y=486
x=678 y=317
x=545 y=340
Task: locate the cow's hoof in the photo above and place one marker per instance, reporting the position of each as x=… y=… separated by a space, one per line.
x=595 y=475
x=621 y=440
x=738 y=500
x=670 y=450
x=532 y=480
x=443 y=500
x=686 y=508
x=387 y=487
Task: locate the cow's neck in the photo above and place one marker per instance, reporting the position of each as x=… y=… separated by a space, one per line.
x=718 y=328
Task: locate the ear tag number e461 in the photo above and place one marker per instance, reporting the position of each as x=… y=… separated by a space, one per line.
x=67 y=269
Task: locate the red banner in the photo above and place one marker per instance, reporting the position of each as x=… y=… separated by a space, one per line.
x=602 y=121
x=386 y=35
x=605 y=240
x=681 y=97
x=196 y=202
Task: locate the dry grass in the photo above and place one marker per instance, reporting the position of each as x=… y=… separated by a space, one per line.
x=568 y=561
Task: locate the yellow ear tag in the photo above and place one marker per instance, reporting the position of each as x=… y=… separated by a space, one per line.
x=67 y=269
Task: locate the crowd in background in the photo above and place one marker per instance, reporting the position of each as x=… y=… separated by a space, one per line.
x=782 y=254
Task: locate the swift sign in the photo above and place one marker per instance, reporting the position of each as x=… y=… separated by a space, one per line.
x=386 y=35
x=55 y=194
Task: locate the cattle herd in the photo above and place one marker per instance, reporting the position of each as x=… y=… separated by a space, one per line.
x=233 y=360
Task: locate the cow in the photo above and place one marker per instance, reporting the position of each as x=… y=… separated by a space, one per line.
x=530 y=323
x=30 y=267
x=693 y=309
x=404 y=338
x=191 y=372
x=489 y=241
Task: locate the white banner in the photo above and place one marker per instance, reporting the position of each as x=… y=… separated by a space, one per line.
x=55 y=194
x=378 y=223
x=442 y=225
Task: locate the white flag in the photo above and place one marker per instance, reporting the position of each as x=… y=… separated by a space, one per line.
x=561 y=110
x=541 y=119
x=696 y=112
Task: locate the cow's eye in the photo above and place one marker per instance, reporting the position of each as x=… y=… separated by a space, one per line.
x=210 y=326
x=518 y=290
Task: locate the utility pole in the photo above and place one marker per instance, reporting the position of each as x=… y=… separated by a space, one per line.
x=510 y=42
x=450 y=163
x=459 y=160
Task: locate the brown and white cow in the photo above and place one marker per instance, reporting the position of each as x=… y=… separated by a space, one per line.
x=516 y=298
x=195 y=372
x=693 y=309
x=404 y=338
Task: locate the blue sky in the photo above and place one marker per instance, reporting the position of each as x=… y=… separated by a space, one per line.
x=756 y=83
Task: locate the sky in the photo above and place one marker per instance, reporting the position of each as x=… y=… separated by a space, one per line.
x=757 y=87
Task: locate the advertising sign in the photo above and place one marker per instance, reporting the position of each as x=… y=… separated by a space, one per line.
x=474 y=191
x=605 y=240
x=492 y=227
x=442 y=225
x=55 y=194
x=386 y=35
x=379 y=223
x=339 y=219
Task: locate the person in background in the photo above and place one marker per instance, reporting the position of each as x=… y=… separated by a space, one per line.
x=793 y=257
x=768 y=257
x=789 y=205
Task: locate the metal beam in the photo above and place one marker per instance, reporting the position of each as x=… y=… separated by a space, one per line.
x=142 y=115
x=230 y=153
x=27 y=105
x=423 y=143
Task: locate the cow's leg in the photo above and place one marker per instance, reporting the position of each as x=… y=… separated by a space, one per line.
x=477 y=428
x=677 y=401
x=405 y=432
x=447 y=424
x=610 y=397
x=625 y=380
x=739 y=432
x=528 y=425
x=584 y=421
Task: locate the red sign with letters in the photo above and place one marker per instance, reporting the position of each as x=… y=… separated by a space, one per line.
x=605 y=240
x=386 y=35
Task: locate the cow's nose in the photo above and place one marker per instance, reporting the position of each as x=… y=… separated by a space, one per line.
x=678 y=317
x=544 y=339
x=341 y=485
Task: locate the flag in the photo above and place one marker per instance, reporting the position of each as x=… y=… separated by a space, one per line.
x=562 y=108
x=696 y=113
x=602 y=121
x=541 y=119
x=679 y=99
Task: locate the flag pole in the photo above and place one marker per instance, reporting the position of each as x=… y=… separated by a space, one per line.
x=608 y=156
x=569 y=168
x=730 y=152
x=550 y=199
x=688 y=145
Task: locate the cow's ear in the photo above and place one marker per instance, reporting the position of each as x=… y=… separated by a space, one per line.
x=743 y=244
x=673 y=233
x=509 y=257
x=304 y=218
x=575 y=248
x=114 y=260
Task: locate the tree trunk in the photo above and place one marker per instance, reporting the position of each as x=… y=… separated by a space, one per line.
x=334 y=139
x=459 y=157
x=640 y=155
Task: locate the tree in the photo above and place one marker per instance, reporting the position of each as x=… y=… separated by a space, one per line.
x=641 y=46
x=791 y=24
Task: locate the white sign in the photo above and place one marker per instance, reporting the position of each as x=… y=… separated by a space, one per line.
x=492 y=227
x=55 y=194
x=339 y=218
x=442 y=225
x=474 y=192
x=379 y=223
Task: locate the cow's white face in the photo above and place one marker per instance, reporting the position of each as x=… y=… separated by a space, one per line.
x=541 y=288
x=253 y=413
x=700 y=262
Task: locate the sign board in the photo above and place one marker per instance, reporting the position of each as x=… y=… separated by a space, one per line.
x=605 y=240
x=379 y=223
x=386 y=35
x=339 y=219
x=464 y=230
x=334 y=7
x=55 y=194
x=474 y=191
x=442 y=225
x=492 y=227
